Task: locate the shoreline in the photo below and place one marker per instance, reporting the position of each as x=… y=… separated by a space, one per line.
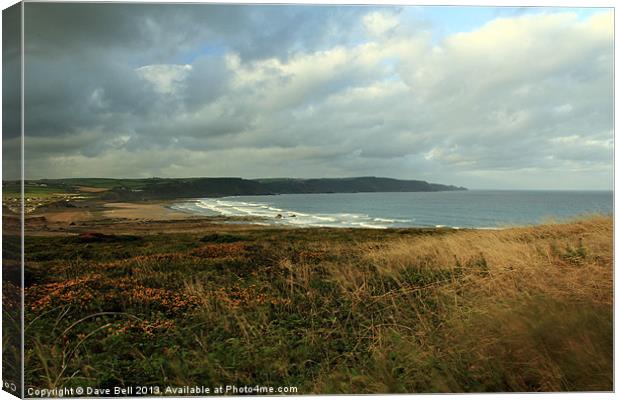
x=283 y=217
x=454 y=294
x=94 y=206
x=155 y=217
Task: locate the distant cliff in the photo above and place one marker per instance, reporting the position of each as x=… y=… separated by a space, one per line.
x=170 y=188
x=352 y=185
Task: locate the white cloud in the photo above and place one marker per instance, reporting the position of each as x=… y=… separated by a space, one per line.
x=378 y=22
x=563 y=109
x=166 y=79
x=529 y=93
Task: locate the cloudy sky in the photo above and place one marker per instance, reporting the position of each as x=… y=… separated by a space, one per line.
x=480 y=97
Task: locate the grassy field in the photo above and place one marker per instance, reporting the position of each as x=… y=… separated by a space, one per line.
x=326 y=310
x=30 y=191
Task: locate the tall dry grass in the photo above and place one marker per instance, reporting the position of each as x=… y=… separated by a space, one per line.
x=522 y=309
x=328 y=310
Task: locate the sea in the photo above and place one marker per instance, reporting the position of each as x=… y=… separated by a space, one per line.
x=482 y=209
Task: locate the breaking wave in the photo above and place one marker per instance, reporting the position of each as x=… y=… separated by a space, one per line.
x=266 y=213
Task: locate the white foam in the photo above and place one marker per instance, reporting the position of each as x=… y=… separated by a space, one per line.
x=271 y=215
x=231 y=207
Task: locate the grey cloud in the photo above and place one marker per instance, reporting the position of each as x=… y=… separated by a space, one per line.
x=11 y=71
x=79 y=51
x=273 y=91
x=208 y=80
x=163 y=30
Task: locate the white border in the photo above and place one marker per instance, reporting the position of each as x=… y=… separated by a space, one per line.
x=496 y=3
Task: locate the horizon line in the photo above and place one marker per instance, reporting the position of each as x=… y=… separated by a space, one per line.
x=344 y=177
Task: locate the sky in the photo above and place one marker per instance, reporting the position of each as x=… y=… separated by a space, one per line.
x=482 y=97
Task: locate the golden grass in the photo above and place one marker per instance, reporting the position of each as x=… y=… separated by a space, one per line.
x=563 y=261
x=335 y=311
x=518 y=309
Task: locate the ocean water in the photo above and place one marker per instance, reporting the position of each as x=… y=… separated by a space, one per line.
x=461 y=209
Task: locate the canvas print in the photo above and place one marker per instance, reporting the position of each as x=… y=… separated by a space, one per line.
x=230 y=199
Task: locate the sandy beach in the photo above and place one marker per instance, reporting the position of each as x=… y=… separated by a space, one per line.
x=143 y=211
x=151 y=217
